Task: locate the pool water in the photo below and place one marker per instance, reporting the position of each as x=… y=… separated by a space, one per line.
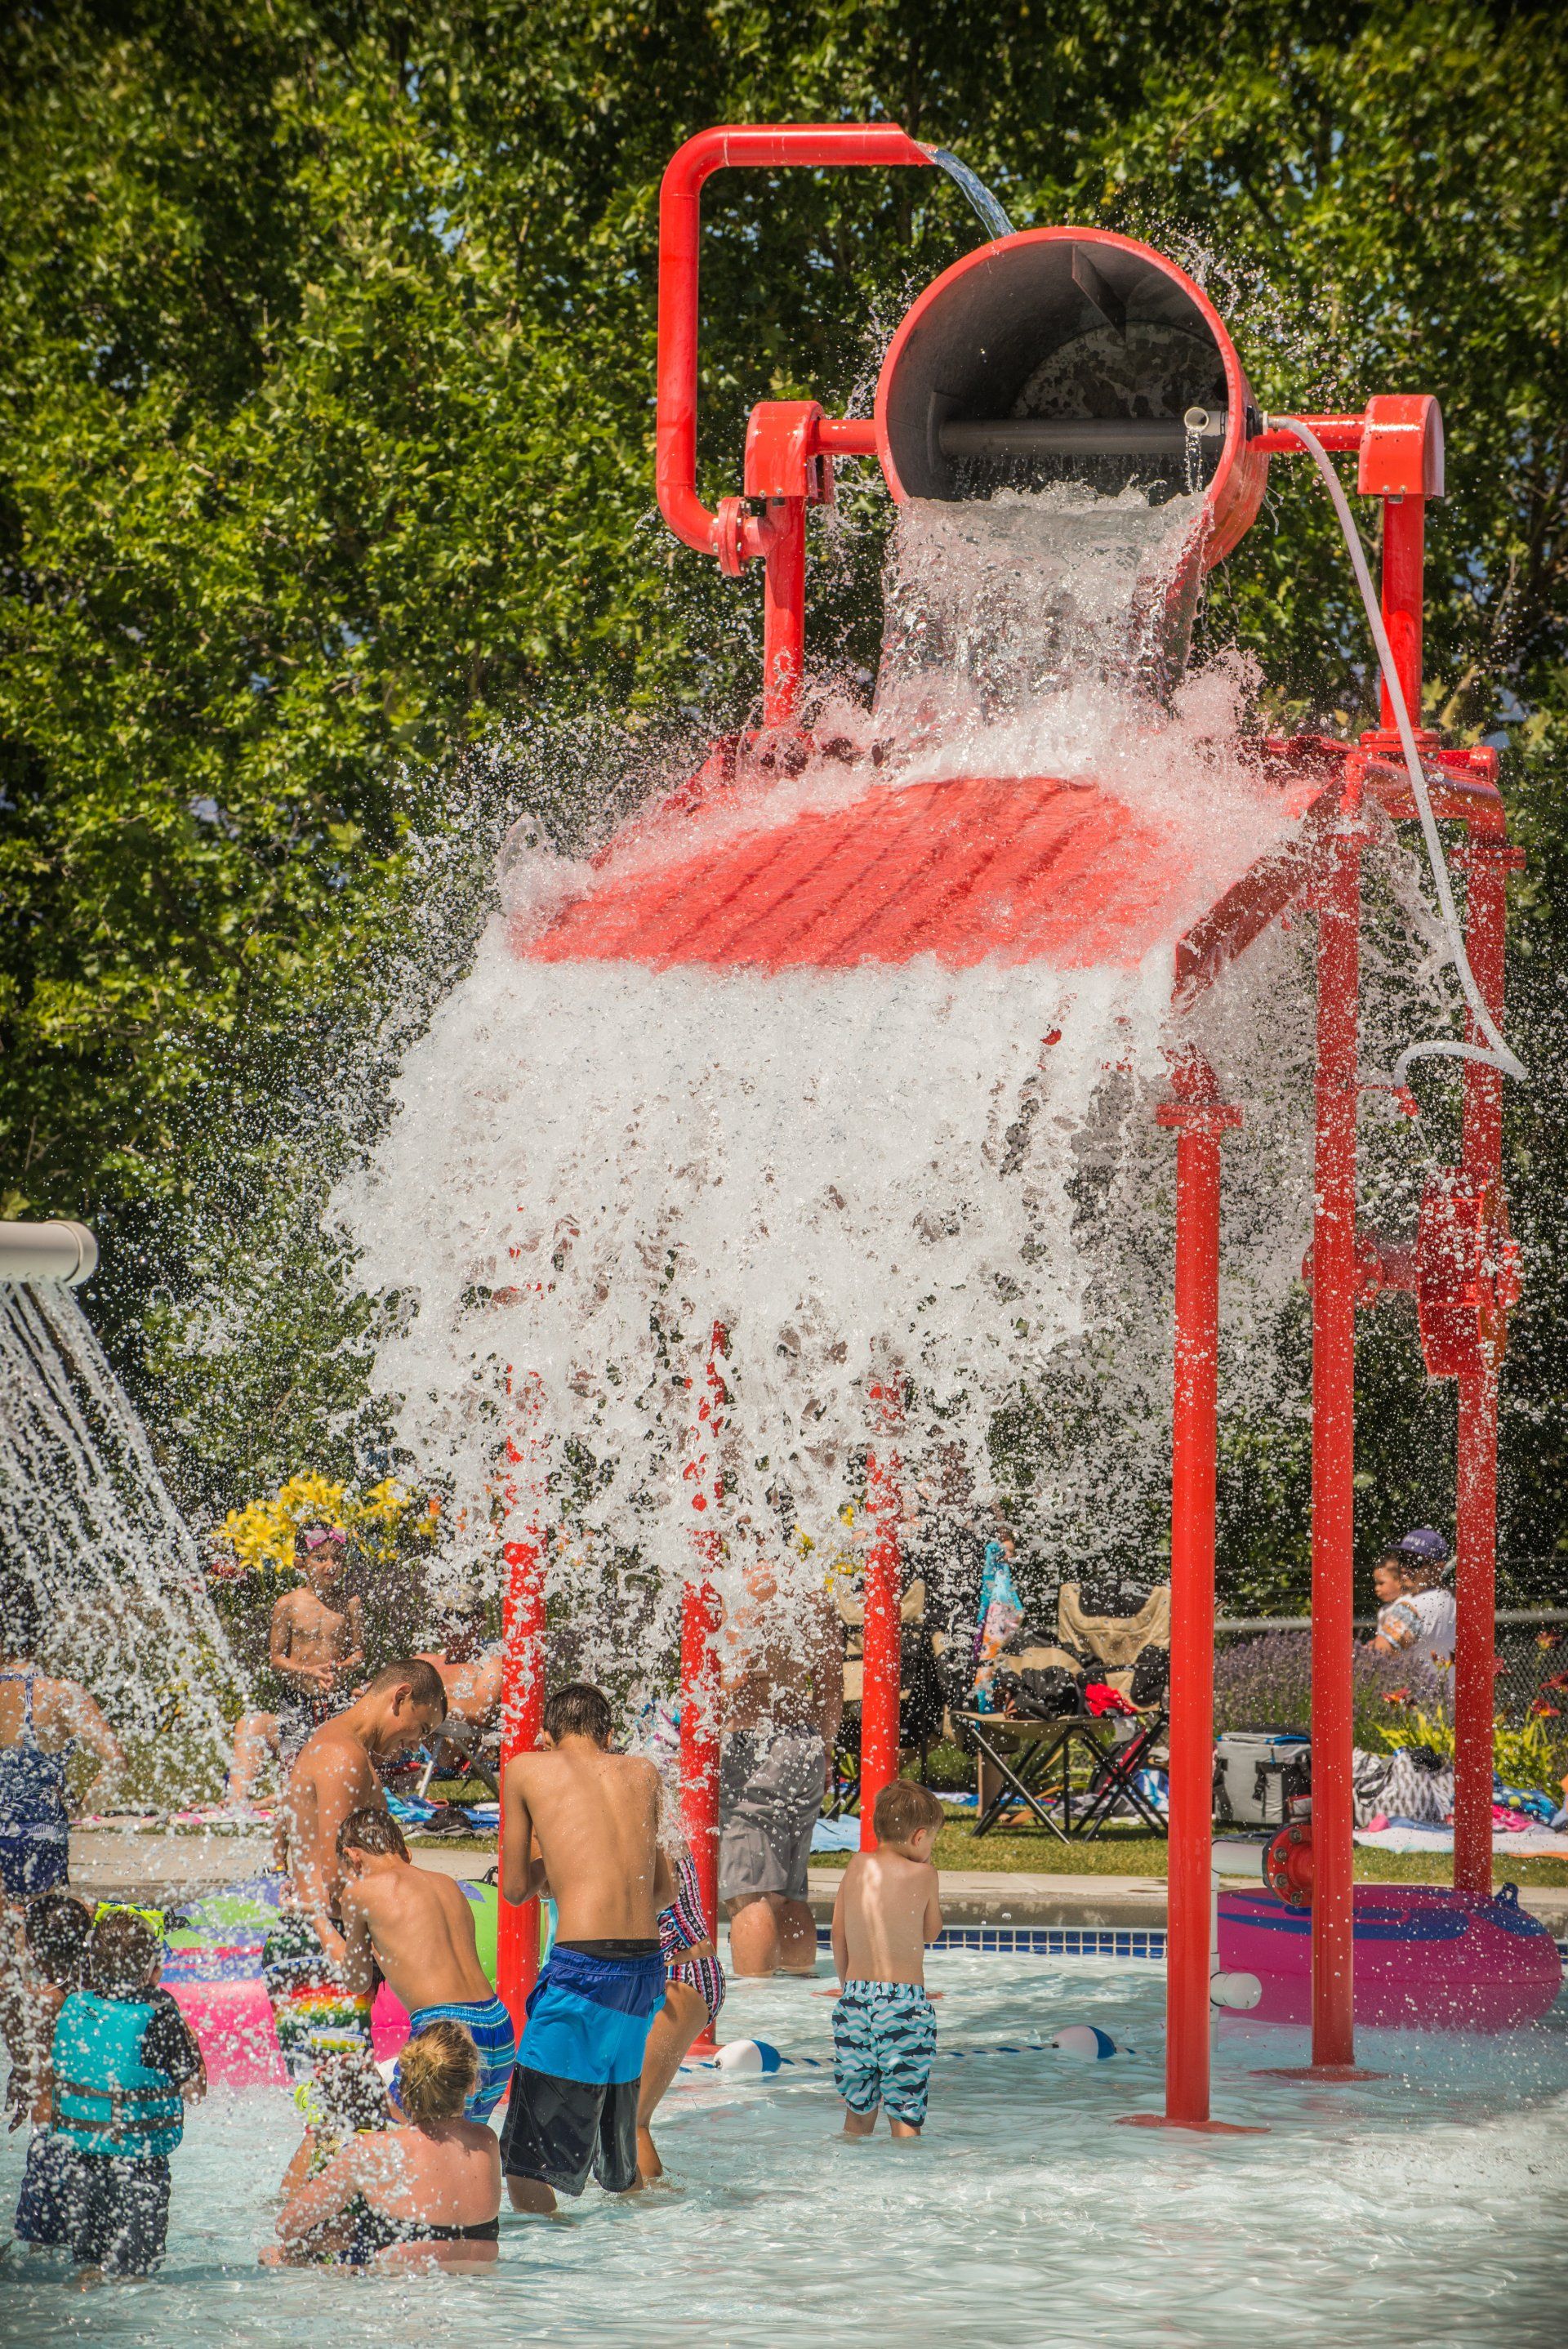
x=1430 y=2207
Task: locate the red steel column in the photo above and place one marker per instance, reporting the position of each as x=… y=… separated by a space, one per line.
x=699 y=1661
x=1475 y=1572
x=1200 y=1119
x=783 y=610
x=1403 y=594
x=522 y=1632
x=880 y=1747
x=1333 y=1286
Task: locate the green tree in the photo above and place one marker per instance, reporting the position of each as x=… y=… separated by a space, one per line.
x=325 y=487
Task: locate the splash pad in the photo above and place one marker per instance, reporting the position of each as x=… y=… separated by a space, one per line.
x=875 y=949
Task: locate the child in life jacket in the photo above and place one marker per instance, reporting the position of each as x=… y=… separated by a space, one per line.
x=41 y=1976
x=126 y=2065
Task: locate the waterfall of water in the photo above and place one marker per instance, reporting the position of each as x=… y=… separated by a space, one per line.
x=86 y=1516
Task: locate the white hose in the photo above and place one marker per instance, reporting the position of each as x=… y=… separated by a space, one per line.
x=1498 y=1055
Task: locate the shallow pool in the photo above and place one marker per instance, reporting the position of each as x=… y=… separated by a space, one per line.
x=1429 y=2207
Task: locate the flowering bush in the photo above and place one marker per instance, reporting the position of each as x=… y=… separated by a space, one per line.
x=260 y=1538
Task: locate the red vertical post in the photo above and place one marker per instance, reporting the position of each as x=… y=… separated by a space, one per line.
x=1199 y=1118
x=699 y=1660
x=783 y=610
x=881 y=1745
x=1334 y=1287
x=522 y=1633
x=1475 y=1570
x=1404 y=558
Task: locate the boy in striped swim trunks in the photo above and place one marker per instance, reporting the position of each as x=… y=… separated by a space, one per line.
x=888 y=1908
x=418 y=1928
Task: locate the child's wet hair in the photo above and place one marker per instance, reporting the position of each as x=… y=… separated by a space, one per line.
x=373 y=1831
x=122 y=1953
x=903 y=1808
x=347 y=2093
x=57 y=1933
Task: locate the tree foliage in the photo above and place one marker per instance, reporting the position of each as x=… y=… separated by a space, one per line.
x=324 y=461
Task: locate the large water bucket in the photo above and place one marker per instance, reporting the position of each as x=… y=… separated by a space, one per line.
x=1071 y=354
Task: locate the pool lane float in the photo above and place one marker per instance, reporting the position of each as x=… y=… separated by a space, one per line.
x=1426 y=1957
x=212 y=1968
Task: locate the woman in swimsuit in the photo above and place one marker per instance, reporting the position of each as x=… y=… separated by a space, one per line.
x=694 y=1993
x=41 y=1721
x=428 y=2192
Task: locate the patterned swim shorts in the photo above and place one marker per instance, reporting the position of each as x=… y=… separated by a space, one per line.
x=884 y=2036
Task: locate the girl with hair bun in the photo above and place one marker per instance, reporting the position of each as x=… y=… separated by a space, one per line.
x=425 y=2191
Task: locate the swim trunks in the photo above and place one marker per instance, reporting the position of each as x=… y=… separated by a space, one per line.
x=769 y=1796
x=299 y=1718
x=884 y=2036
x=314 y=2014
x=573 y=2108
x=488 y=2026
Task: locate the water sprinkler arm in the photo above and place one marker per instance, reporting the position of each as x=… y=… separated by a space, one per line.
x=768 y=146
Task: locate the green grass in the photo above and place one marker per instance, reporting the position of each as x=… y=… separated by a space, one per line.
x=1127 y=1851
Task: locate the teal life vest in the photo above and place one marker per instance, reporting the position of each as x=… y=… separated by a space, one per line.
x=107 y=2100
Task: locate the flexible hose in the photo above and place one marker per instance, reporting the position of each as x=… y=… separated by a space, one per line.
x=1498 y=1055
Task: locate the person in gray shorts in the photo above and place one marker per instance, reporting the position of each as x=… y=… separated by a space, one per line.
x=783 y=1666
x=769 y=1798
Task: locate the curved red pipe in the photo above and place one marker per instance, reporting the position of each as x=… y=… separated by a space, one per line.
x=811 y=145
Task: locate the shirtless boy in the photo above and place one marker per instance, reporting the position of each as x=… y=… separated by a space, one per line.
x=335 y=1775
x=417 y=1927
x=317 y=1643
x=885 y=2032
x=782 y=1660
x=573 y=2108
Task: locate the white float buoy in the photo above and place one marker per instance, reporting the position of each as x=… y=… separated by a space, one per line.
x=1085 y=2042
x=747 y=2056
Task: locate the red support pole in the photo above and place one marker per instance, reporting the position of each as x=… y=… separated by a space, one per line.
x=699 y=1660
x=1404 y=559
x=783 y=610
x=1334 y=1288
x=881 y=1745
x=1199 y=1118
x=523 y=1632
x=1475 y=1573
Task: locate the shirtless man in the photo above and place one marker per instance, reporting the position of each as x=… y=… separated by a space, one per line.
x=782 y=1665
x=473 y=1678
x=334 y=1774
x=316 y=1642
x=573 y=2108
x=417 y=1927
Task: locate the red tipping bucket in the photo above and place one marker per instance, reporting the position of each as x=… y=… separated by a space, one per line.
x=1066 y=354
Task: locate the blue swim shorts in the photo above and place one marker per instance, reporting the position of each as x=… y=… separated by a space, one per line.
x=573 y=2108
x=488 y=2026
x=884 y=2036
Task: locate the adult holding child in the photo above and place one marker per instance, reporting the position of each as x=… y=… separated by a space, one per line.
x=424 y=2192
x=336 y=1774
x=573 y=2113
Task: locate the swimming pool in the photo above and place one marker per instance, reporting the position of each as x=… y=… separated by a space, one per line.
x=1428 y=2208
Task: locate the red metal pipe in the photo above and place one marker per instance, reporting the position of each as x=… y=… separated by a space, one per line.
x=1334 y=1288
x=699 y=1660
x=783 y=610
x=1404 y=561
x=882 y=1748
x=1475 y=1572
x=522 y=1634
x=770 y=146
x=1199 y=1120
x=1337 y=433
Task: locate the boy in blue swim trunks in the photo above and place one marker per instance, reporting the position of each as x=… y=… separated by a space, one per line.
x=888 y=1908
x=417 y=1929
x=573 y=2108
